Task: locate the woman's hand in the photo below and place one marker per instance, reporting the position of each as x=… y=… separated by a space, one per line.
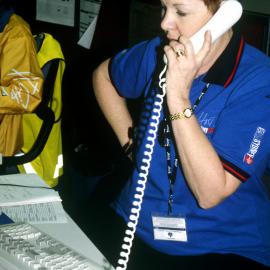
x=184 y=66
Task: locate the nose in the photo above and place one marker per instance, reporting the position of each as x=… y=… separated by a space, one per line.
x=163 y=23
x=166 y=22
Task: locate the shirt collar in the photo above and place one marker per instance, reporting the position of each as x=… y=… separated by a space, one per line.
x=224 y=69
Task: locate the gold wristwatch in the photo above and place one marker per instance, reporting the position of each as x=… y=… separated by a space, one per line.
x=187 y=113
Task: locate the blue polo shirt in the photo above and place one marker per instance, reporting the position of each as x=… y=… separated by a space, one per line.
x=235 y=116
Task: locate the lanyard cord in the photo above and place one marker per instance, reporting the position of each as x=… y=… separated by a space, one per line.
x=172 y=167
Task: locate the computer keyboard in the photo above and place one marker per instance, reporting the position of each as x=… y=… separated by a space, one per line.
x=27 y=248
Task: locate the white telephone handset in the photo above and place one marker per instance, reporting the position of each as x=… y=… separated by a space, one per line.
x=226 y=16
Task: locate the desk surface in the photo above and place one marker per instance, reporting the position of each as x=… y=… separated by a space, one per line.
x=71 y=235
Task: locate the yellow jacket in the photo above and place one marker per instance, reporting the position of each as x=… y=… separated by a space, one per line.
x=20 y=82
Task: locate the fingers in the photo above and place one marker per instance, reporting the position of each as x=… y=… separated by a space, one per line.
x=170 y=53
x=183 y=47
x=178 y=47
x=187 y=45
x=174 y=50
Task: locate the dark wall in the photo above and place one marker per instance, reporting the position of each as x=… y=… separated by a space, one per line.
x=90 y=131
x=255 y=27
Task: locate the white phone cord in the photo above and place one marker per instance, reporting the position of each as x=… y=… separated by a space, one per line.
x=143 y=174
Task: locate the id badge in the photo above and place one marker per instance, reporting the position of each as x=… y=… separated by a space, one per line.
x=170 y=228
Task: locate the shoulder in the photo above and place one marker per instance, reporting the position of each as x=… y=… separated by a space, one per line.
x=253 y=71
x=132 y=68
x=254 y=60
x=17 y=27
x=143 y=49
x=140 y=57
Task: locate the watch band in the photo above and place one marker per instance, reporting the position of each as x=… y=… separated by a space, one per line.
x=187 y=113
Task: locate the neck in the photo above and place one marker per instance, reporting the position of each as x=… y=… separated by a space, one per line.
x=216 y=50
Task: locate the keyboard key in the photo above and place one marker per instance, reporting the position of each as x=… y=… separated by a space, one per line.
x=29 y=248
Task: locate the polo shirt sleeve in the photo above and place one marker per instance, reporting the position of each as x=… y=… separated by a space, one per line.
x=131 y=69
x=242 y=134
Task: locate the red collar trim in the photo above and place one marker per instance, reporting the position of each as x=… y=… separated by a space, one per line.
x=238 y=57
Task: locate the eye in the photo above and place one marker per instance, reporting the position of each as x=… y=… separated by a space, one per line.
x=181 y=13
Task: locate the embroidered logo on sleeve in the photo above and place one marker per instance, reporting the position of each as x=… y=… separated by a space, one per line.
x=254 y=146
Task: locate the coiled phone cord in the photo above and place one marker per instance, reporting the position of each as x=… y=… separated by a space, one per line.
x=143 y=174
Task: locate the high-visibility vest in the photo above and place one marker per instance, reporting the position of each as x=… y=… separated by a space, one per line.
x=49 y=164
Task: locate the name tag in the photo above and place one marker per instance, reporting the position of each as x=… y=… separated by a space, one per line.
x=170 y=228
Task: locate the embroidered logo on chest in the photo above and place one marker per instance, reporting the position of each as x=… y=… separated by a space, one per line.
x=207 y=122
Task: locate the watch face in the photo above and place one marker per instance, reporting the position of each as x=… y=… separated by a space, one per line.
x=188 y=112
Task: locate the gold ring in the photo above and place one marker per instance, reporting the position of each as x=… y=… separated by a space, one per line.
x=180 y=53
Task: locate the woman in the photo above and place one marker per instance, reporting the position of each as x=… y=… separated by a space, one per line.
x=204 y=204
